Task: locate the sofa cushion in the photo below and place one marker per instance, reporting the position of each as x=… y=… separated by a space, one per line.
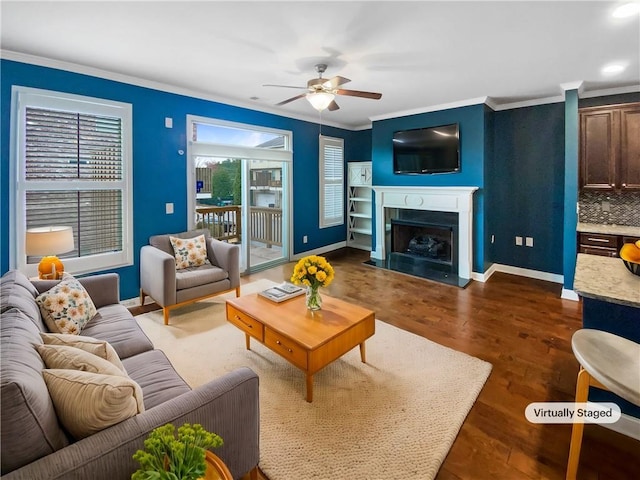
x=189 y=252
x=156 y=376
x=67 y=307
x=116 y=325
x=196 y=276
x=30 y=427
x=90 y=402
x=101 y=348
x=16 y=291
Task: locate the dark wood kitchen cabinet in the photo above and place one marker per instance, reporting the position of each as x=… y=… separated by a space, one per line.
x=610 y=147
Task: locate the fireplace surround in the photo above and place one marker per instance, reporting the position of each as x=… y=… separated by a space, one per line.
x=396 y=203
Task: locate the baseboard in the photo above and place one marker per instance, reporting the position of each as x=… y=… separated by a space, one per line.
x=522 y=272
x=626 y=425
x=569 y=295
x=321 y=250
x=483 y=277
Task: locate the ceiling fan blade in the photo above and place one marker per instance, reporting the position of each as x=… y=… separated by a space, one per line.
x=358 y=93
x=284 y=102
x=283 y=86
x=335 y=82
x=333 y=106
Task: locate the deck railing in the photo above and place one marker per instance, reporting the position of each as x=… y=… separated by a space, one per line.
x=266 y=225
x=225 y=223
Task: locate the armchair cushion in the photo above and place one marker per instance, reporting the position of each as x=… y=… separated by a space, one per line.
x=195 y=276
x=189 y=252
x=162 y=242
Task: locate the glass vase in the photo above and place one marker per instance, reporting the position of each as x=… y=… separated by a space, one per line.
x=314 y=300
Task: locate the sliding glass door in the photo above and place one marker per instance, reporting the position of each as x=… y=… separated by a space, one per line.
x=240 y=176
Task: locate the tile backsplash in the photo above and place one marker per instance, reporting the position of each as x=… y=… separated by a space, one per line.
x=610 y=208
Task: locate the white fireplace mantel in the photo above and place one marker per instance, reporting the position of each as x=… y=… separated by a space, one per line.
x=439 y=199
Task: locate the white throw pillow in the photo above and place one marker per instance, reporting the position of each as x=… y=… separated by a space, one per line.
x=89 y=344
x=189 y=252
x=87 y=403
x=67 y=307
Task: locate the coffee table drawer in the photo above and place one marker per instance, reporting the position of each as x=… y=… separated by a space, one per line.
x=286 y=347
x=245 y=323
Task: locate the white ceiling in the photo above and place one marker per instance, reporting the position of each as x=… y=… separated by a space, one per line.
x=418 y=54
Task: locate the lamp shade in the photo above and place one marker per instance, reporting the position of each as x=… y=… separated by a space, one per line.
x=320 y=100
x=49 y=240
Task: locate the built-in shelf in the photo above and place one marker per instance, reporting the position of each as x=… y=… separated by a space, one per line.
x=359 y=199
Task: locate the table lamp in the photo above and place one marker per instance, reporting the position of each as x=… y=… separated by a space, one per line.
x=49 y=241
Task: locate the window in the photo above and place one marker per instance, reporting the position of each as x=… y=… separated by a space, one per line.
x=72 y=168
x=331 y=181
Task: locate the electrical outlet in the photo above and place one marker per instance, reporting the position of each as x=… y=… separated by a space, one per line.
x=519 y=241
x=169 y=208
x=304 y=239
x=529 y=241
x=168 y=122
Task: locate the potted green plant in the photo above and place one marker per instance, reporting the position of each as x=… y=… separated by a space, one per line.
x=166 y=457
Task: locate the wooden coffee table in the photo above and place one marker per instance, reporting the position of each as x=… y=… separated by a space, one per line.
x=309 y=340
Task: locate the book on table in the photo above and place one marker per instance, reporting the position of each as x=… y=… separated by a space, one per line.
x=282 y=292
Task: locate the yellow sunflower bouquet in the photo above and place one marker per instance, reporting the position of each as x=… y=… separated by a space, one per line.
x=314 y=272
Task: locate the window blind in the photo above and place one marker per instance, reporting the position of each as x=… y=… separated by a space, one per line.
x=66 y=147
x=331 y=181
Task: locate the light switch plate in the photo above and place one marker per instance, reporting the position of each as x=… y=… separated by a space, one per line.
x=168 y=122
x=169 y=208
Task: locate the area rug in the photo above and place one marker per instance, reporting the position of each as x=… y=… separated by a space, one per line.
x=394 y=417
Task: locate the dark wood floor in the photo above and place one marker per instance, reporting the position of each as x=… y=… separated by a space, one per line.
x=524 y=329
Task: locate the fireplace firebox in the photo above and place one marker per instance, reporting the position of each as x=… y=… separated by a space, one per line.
x=424 y=244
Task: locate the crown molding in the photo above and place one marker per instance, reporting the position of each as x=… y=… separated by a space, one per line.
x=163 y=87
x=431 y=108
x=611 y=91
x=529 y=103
x=577 y=85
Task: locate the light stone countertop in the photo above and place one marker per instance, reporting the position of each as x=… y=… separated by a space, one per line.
x=606 y=279
x=608 y=229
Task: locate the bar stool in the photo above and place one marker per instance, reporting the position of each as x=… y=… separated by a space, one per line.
x=608 y=362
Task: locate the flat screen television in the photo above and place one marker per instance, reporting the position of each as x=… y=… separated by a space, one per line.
x=427 y=150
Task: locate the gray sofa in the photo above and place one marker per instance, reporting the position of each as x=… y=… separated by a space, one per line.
x=171 y=288
x=35 y=445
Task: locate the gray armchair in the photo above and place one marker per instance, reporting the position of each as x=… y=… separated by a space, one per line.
x=171 y=288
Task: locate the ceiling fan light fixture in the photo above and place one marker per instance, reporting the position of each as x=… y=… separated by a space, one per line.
x=320 y=100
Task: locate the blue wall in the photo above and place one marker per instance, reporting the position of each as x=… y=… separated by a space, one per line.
x=159 y=172
x=526 y=185
x=471 y=121
x=571 y=140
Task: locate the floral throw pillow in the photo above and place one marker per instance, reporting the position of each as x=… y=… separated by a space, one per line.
x=189 y=252
x=67 y=307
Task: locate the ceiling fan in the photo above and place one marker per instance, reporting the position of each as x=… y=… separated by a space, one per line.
x=321 y=92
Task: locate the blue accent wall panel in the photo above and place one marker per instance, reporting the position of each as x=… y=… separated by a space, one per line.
x=159 y=171
x=571 y=139
x=489 y=185
x=526 y=184
x=471 y=120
